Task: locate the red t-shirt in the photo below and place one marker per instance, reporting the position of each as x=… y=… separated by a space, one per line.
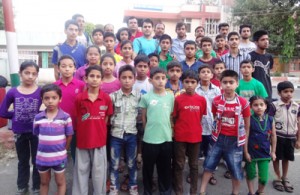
x=91 y=129
x=137 y=35
x=229 y=126
x=216 y=82
x=188 y=111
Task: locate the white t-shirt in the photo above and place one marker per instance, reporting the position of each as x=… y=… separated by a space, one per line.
x=247 y=47
x=143 y=86
x=82 y=40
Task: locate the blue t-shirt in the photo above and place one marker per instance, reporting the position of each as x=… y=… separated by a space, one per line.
x=194 y=67
x=77 y=52
x=145 y=46
x=259 y=138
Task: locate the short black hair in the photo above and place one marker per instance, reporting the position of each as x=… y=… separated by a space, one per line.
x=51 y=87
x=130 y=18
x=147 y=20
x=75 y=16
x=233 y=33
x=205 y=66
x=165 y=36
x=229 y=73
x=219 y=36
x=245 y=26
x=141 y=58
x=66 y=57
x=155 y=55
x=199 y=27
x=174 y=63
x=118 y=35
x=206 y=39
x=224 y=24
x=190 y=42
x=284 y=85
x=157 y=70
x=258 y=34
x=179 y=25
x=127 y=67
x=69 y=22
x=28 y=63
x=190 y=74
x=90 y=68
x=109 y=34
x=256 y=97
x=97 y=30
x=246 y=62
x=218 y=62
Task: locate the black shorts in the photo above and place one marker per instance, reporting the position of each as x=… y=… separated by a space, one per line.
x=285 y=149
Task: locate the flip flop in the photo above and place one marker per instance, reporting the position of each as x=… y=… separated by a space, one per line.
x=288 y=187
x=277 y=184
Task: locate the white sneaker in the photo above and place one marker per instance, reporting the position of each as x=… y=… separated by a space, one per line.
x=113 y=190
x=133 y=190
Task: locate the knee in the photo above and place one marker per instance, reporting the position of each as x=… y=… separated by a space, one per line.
x=263 y=180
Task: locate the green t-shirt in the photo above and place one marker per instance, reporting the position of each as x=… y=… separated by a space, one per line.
x=159 y=108
x=250 y=88
x=163 y=63
x=199 y=54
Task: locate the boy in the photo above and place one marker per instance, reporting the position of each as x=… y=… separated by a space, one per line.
x=179 y=41
x=93 y=107
x=249 y=86
x=70 y=88
x=209 y=91
x=286 y=117
x=70 y=47
x=110 y=42
x=142 y=84
x=157 y=141
x=83 y=37
x=221 y=45
x=207 y=46
x=232 y=120
x=174 y=71
x=165 y=43
x=123 y=129
x=153 y=60
x=97 y=35
x=218 y=68
x=189 y=108
x=190 y=62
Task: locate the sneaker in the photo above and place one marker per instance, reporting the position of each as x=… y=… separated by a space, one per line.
x=23 y=191
x=36 y=192
x=113 y=190
x=133 y=190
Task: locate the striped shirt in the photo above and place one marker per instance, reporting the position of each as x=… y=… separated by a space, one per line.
x=233 y=63
x=125 y=114
x=52 y=137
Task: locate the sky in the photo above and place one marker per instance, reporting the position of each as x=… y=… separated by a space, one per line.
x=50 y=15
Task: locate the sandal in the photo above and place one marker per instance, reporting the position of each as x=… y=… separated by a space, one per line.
x=212 y=180
x=227 y=175
x=277 y=184
x=259 y=193
x=124 y=186
x=288 y=187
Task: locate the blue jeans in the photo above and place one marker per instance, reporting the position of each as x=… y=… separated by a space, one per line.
x=116 y=144
x=225 y=147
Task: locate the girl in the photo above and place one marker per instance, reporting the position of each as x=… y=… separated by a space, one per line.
x=126 y=50
x=54 y=128
x=92 y=54
x=109 y=82
x=26 y=102
x=257 y=150
x=122 y=35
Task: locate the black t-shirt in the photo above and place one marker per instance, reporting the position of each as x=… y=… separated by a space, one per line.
x=263 y=63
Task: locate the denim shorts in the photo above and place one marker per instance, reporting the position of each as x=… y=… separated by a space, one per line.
x=225 y=147
x=57 y=168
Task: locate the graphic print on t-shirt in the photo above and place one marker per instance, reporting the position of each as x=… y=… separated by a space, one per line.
x=266 y=67
x=25 y=105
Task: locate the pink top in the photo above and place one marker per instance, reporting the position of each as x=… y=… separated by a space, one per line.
x=80 y=72
x=119 y=65
x=69 y=93
x=111 y=87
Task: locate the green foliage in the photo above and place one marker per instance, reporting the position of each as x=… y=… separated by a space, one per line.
x=89 y=27
x=280 y=18
x=1 y=17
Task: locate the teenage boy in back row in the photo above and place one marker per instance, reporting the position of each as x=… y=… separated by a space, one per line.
x=232 y=122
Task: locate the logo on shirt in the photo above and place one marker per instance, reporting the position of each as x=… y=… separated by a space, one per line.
x=103 y=107
x=86 y=116
x=153 y=102
x=192 y=108
x=76 y=90
x=278 y=125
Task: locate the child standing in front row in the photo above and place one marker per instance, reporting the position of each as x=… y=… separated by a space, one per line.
x=261 y=137
x=123 y=130
x=287 y=124
x=26 y=102
x=109 y=82
x=54 y=129
x=93 y=107
x=232 y=119
x=189 y=108
x=157 y=106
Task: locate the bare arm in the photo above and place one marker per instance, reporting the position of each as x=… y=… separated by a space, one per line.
x=273 y=142
x=144 y=117
x=69 y=139
x=247 y=129
x=56 y=73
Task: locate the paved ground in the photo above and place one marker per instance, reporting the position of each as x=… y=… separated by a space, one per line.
x=8 y=170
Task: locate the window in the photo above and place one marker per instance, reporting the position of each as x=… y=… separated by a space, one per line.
x=211 y=27
x=188 y=22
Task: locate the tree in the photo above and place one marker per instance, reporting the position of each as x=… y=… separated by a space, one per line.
x=1 y=17
x=279 y=17
x=89 y=27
